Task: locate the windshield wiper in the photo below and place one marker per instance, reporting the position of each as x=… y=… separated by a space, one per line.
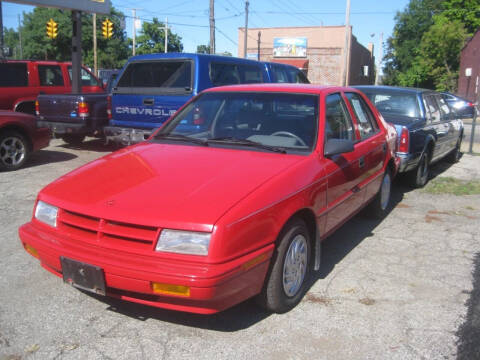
x=246 y=142
x=179 y=137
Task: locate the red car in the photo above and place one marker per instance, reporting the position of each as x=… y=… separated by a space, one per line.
x=19 y=136
x=230 y=199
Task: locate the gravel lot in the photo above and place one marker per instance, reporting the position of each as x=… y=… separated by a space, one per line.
x=394 y=289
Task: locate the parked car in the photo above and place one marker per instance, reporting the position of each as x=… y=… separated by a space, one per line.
x=429 y=130
x=152 y=87
x=19 y=137
x=23 y=80
x=465 y=109
x=73 y=116
x=200 y=219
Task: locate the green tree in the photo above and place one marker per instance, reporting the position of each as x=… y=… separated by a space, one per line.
x=152 y=39
x=11 y=40
x=112 y=53
x=466 y=12
x=402 y=46
x=203 y=49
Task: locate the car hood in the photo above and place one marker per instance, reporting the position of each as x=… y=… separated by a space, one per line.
x=166 y=185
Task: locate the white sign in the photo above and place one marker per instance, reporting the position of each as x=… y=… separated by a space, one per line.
x=468 y=72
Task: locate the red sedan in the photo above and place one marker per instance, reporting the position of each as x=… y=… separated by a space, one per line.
x=230 y=199
x=19 y=136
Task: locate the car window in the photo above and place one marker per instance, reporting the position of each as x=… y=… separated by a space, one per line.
x=443 y=106
x=50 y=75
x=431 y=108
x=250 y=74
x=158 y=74
x=281 y=75
x=394 y=103
x=86 y=78
x=298 y=77
x=224 y=74
x=273 y=119
x=338 y=124
x=366 y=122
x=13 y=74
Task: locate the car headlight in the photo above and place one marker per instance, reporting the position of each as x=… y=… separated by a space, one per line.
x=183 y=242
x=46 y=213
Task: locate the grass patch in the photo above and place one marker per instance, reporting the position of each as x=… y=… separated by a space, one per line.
x=449 y=185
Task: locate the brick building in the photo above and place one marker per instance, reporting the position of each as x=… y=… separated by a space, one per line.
x=318 y=50
x=468 y=79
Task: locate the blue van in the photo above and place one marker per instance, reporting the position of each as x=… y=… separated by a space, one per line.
x=151 y=88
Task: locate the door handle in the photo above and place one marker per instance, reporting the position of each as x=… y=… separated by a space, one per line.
x=148 y=102
x=361 y=162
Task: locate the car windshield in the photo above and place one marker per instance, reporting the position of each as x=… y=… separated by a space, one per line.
x=395 y=103
x=270 y=120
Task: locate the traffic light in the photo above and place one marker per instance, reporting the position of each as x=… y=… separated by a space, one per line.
x=107 y=29
x=52 y=29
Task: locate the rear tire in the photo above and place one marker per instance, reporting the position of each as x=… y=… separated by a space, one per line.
x=418 y=177
x=14 y=150
x=380 y=205
x=73 y=139
x=287 y=279
x=456 y=153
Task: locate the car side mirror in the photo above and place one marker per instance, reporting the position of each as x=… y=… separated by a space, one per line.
x=338 y=146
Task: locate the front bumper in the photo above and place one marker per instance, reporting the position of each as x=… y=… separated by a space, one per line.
x=213 y=287
x=41 y=138
x=126 y=136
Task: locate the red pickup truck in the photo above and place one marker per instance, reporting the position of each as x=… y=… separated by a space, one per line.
x=21 y=81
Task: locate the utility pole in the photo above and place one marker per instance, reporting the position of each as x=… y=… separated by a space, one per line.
x=346 y=49
x=20 y=36
x=1 y=32
x=379 y=62
x=95 y=68
x=166 y=34
x=246 y=30
x=134 y=45
x=212 y=27
x=76 y=51
x=258 y=45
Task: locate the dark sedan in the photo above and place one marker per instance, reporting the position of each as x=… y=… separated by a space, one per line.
x=464 y=108
x=19 y=136
x=428 y=128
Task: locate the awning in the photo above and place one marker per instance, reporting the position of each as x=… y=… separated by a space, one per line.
x=302 y=64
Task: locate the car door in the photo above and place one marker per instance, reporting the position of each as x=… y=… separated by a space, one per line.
x=371 y=144
x=344 y=171
x=448 y=118
x=435 y=124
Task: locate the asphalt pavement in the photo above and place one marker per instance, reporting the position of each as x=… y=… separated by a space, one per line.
x=406 y=287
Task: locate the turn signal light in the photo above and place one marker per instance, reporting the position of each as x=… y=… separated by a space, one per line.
x=83 y=110
x=37 y=108
x=170 y=289
x=31 y=250
x=404 y=141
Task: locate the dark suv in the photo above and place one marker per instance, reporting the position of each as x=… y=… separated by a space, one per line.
x=428 y=128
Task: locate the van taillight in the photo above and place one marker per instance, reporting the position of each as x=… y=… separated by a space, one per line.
x=83 y=110
x=404 y=140
x=109 y=107
x=37 y=108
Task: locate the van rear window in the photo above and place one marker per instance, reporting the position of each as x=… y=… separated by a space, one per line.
x=163 y=74
x=13 y=74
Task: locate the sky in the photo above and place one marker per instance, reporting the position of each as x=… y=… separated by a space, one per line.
x=190 y=18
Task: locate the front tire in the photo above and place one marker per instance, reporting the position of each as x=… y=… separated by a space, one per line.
x=14 y=150
x=286 y=281
x=456 y=153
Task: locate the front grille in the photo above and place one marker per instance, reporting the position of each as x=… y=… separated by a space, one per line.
x=108 y=233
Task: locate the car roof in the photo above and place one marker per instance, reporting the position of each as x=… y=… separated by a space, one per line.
x=393 y=89
x=284 y=87
x=174 y=55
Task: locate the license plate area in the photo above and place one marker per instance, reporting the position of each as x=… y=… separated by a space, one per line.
x=83 y=276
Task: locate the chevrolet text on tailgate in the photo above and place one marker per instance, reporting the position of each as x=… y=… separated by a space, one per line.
x=152 y=87
x=230 y=199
